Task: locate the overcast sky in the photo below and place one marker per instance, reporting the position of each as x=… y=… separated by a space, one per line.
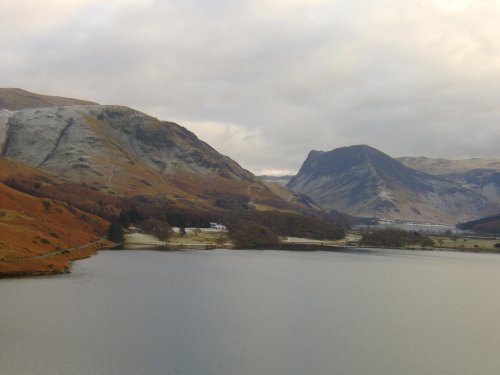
x=266 y=81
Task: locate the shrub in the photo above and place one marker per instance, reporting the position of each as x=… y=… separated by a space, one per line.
x=46 y=205
x=160 y=229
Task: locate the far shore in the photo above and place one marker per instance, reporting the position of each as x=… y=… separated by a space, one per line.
x=192 y=240
x=60 y=261
x=201 y=241
x=52 y=263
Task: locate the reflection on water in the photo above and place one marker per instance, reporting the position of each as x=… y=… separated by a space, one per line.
x=416 y=227
x=257 y=312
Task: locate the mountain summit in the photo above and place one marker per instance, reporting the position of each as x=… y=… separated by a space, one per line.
x=14 y=99
x=361 y=180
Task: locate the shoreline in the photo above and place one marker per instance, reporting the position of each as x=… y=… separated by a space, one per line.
x=285 y=246
x=65 y=258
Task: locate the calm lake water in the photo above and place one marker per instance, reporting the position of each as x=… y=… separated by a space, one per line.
x=256 y=312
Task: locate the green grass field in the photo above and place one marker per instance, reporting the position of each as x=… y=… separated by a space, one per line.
x=467 y=243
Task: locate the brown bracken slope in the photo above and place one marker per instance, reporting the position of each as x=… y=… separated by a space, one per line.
x=39 y=235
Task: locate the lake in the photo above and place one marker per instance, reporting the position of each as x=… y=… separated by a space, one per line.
x=224 y=312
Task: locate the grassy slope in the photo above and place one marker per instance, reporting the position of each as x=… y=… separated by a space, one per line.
x=136 y=177
x=33 y=227
x=474 y=243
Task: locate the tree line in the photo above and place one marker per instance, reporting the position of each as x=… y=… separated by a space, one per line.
x=247 y=226
x=395 y=238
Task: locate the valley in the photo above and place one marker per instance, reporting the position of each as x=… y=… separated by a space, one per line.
x=72 y=170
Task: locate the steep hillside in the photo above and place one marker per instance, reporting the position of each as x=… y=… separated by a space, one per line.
x=40 y=234
x=123 y=151
x=479 y=175
x=299 y=202
x=363 y=181
x=486 y=225
x=441 y=167
x=14 y=99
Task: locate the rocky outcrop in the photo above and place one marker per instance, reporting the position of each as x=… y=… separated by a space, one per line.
x=78 y=140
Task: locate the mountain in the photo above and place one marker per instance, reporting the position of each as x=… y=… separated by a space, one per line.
x=362 y=181
x=14 y=99
x=441 y=167
x=479 y=175
x=124 y=151
x=68 y=163
x=68 y=167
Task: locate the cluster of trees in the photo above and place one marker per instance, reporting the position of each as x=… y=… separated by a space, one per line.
x=247 y=227
x=289 y=224
x=251 y=235
x=160 y=229
x=138 y=209
x=395 y=238
x=257 y=229
x=346 y=219
x=230 y=201
x=81 y=196
x=115 y=232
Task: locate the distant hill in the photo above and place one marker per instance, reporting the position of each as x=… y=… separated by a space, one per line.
x=479 y=175
x=442 y=167
x=14 y=99
x=281 y=180
x=486 y=225
x=124 y=151
x=363 y=181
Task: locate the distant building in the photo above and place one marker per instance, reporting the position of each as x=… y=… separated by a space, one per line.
x=217 y=226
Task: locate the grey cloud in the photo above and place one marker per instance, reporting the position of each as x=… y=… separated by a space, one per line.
x=281 y=77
